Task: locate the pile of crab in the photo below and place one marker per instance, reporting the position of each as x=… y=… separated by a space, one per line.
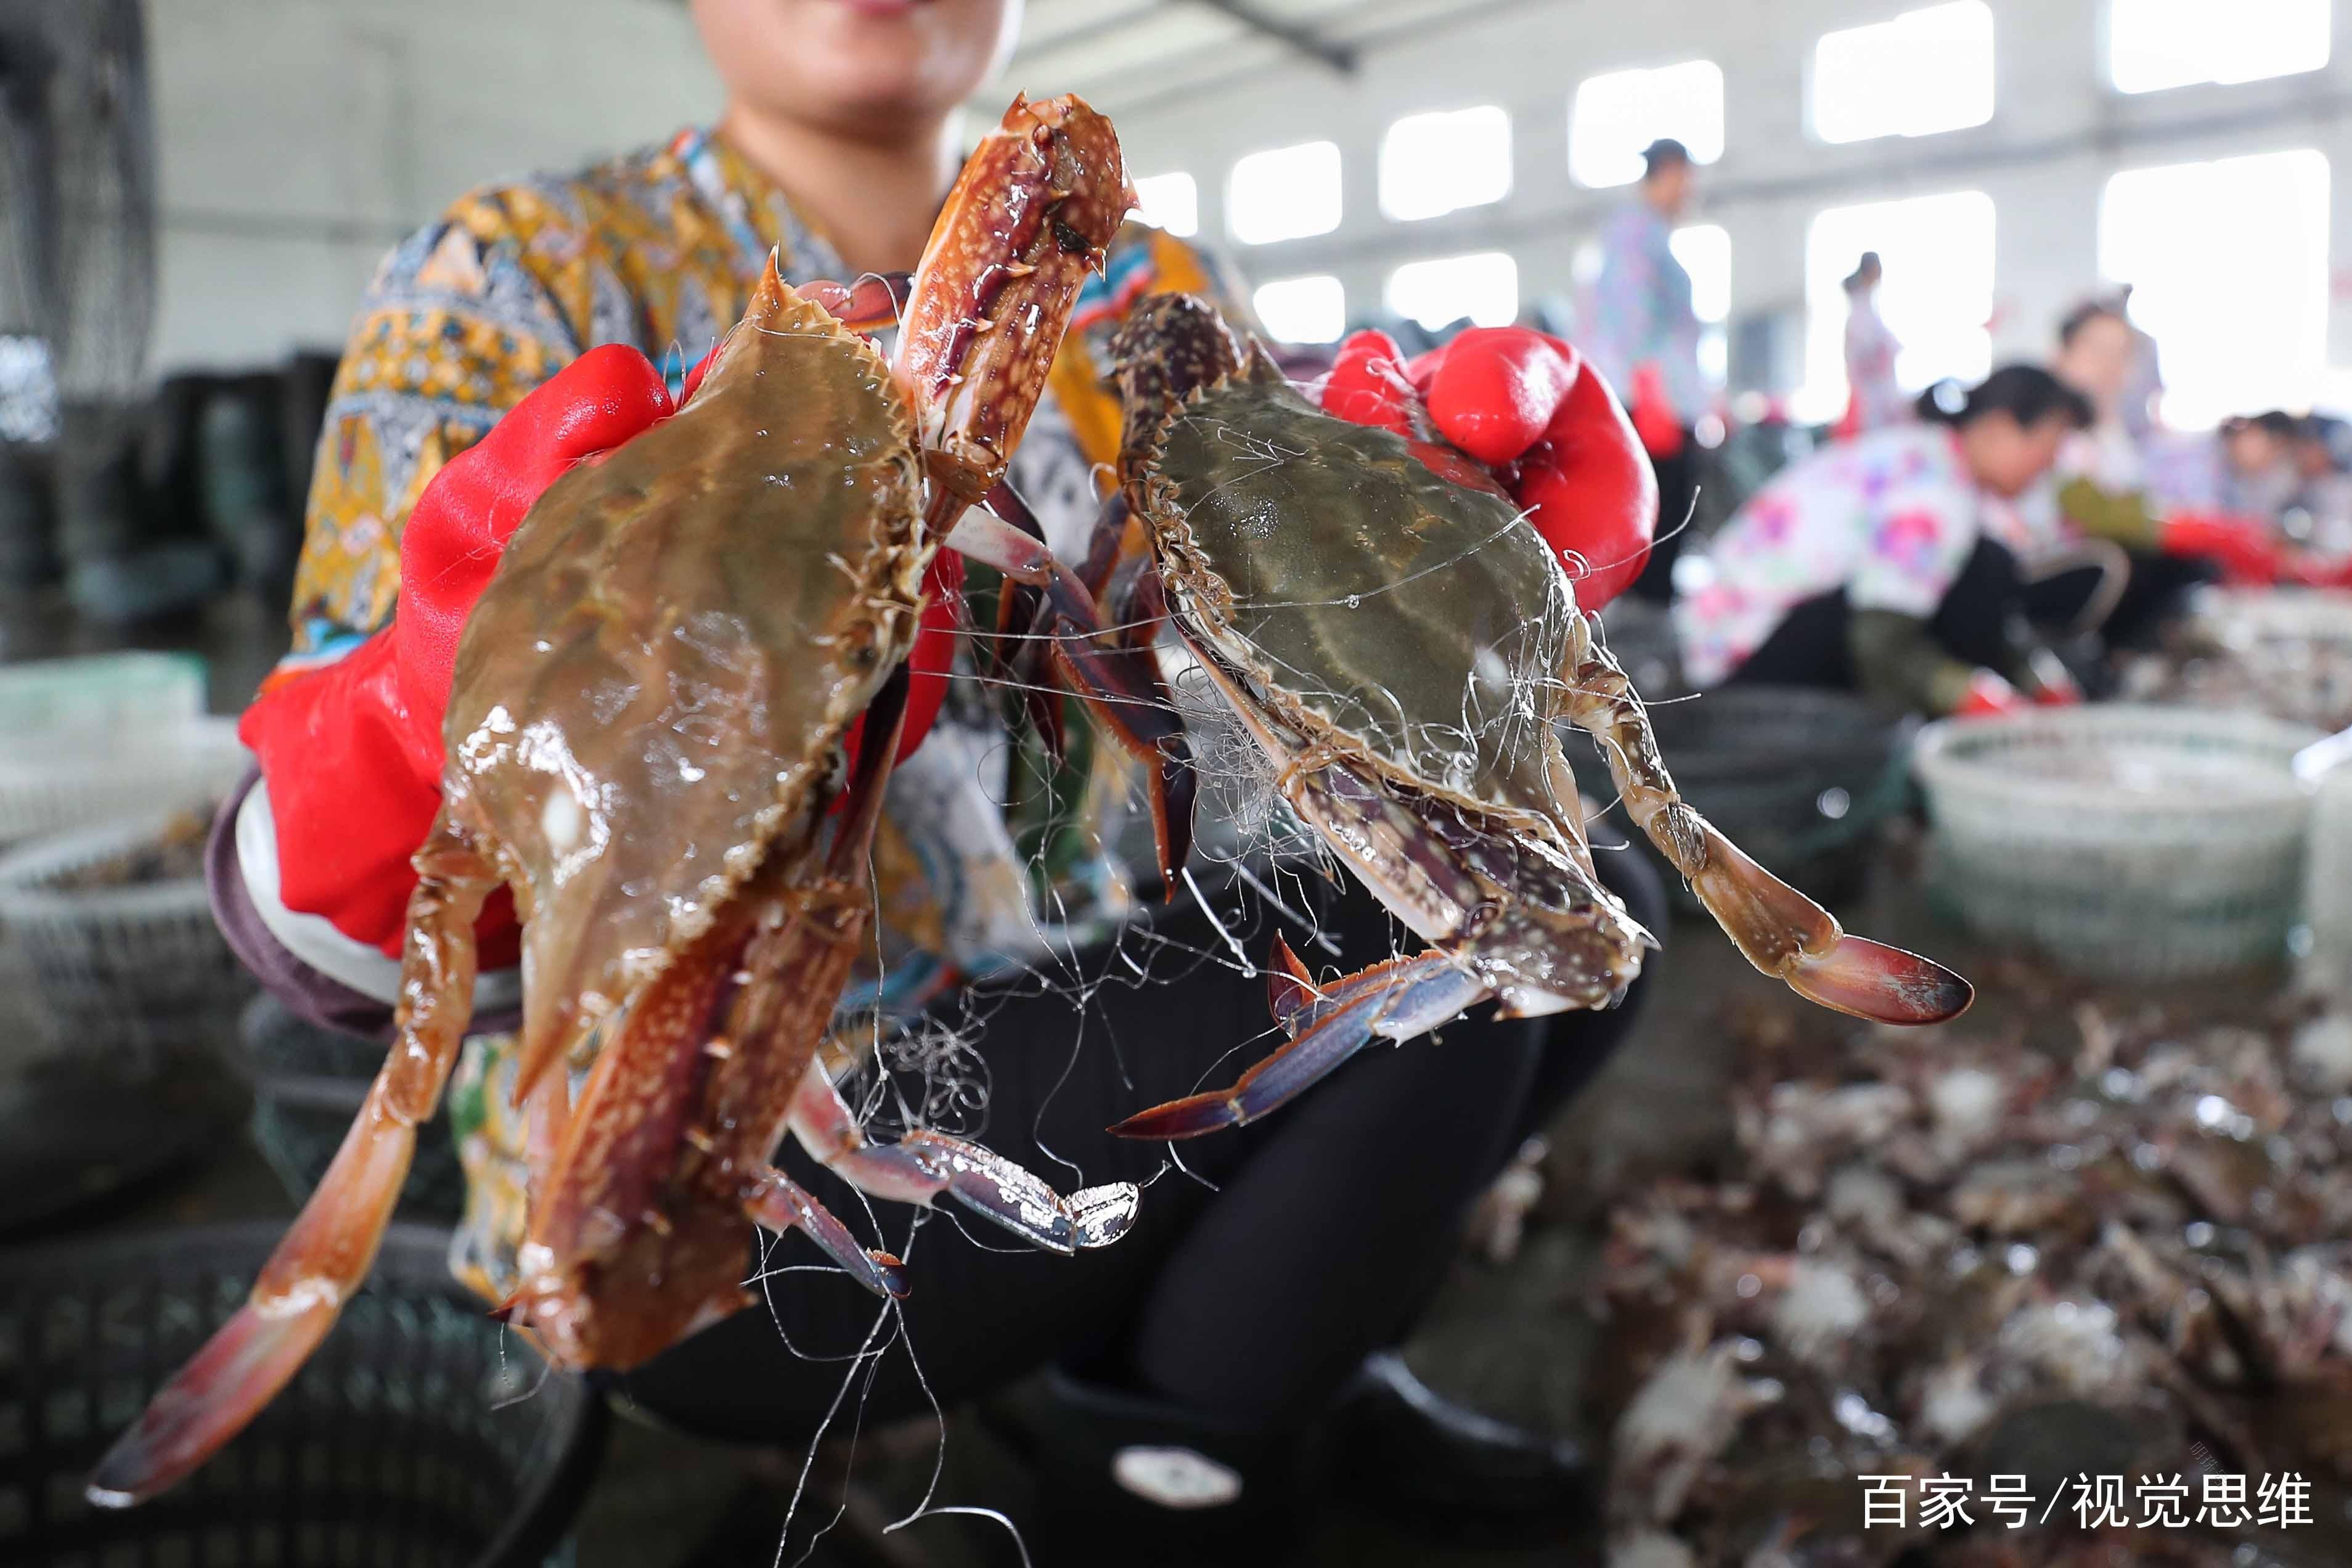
x=1945 y=1256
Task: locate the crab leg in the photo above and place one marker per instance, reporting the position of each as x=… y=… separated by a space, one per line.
x=1782 y=933
x=780 y=1203
x=924 y=1165
x=1396 y=1000
x=332 y=1244
x=1121 y=685
x=1024 y=633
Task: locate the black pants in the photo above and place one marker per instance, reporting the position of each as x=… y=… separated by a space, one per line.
x=1677 y=492
x=1811 y=645
x=2157 y=591
x=1260 y=1272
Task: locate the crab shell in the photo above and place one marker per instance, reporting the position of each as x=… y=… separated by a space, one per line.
x=653 y=692
x=1338 y=590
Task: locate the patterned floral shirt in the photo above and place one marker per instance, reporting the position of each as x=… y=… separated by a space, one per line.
x=1642 y=312
x=659 y=249
x=1890 y=517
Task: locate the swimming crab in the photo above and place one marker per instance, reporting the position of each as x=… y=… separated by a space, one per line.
x=1400 y=644
x=645 y=738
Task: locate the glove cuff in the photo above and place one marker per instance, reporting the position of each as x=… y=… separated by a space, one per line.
x=348 y=801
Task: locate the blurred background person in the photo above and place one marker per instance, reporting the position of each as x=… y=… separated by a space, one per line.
x=2105 y=489
x=2141 y=405
x=1644 y=338
x=1888 y=565
x=1874 y=398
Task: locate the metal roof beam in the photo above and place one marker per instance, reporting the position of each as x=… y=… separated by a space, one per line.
x=1340 y=58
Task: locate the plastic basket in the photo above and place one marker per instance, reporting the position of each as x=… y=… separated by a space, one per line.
x=1796 y=776
x=2125 y=842
x=2235 y=615
x=2291 y=647
x=104 y=694
x=139 y=970
x=308 y=1083
x=420 y=1433
x=54 y=780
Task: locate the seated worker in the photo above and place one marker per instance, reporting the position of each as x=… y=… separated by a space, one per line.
x=2323 y=491
x=1880 y=565
x=1266 y=1281
x=2103 y=490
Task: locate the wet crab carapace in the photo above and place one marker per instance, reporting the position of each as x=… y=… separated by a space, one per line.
x=647 y=737
x=1402 y=645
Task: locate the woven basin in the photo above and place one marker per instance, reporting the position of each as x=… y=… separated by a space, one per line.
x=105 y=693
x=137 y=970
x=2127 y=842
x=420 y=1433
x=51 y=781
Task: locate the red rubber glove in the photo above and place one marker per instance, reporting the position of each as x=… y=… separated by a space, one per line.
x=2053 y=684
x=1541 y=424
x=2248 y=553
x=1654 y=413
x=1988 y=693
x=2313 y=571
x=351 y=751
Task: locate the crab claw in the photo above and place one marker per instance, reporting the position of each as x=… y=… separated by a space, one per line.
x=924 y=1165
x=1791 y=938
x=1778 y=928
x=1871 y=980
x=781 y=1204
x=1396 y=1000
x=240 y=1369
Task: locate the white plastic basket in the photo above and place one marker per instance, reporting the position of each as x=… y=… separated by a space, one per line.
x=137 y=970
x=2234 y=616
x=2292 y=650
x=54 y=780
x=2126 y=841
x=101 y=694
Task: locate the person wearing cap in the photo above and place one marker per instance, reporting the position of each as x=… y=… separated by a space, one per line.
x=1644 y=340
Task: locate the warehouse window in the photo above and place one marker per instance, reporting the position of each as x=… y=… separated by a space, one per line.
x=2237 y=300
x=1484 y=286
x=28 y=393
x=1436 y=163
x=1919 y=73
x=1302 y=310
x=1172 y=202
x=1285 y=192
x=1705 y=251
x=1613 y=117
x=1936 y=297
x=2157 y=44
